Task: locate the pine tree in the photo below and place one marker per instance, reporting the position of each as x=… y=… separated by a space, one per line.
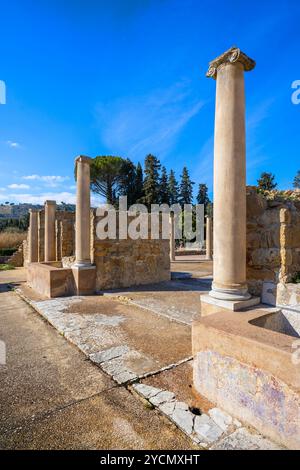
x=296 y=182
x=151 y=181
x=139 y=181
x=173 y=189
x=163 y=187
x=266 y=182
x=202 y=196
x=186 y=188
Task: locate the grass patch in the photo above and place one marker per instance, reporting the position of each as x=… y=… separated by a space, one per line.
x=6 y=267
x=296 y=278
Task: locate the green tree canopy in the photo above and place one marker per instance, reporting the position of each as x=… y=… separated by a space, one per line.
x=173 y=188
x=202 y=196
x=186 y=187
x=266 y=182
x=163 y=187
x=107 y=176
x=296 y=182
x=151 y=181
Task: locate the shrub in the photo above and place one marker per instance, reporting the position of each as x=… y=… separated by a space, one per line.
x=11 y=239
x=6 y=267
x=296 y=278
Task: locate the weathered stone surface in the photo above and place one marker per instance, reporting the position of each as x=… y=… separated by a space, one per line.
x=242 y=439
x=162 y=397
x=146 y=390
x=222 y=419
x=273 y=238
x=183 y=418
x=108 y=354
x=206 y=429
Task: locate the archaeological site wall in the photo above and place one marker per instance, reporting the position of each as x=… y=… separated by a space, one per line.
x=124 y=263
x=119 y=263
x=273 y=242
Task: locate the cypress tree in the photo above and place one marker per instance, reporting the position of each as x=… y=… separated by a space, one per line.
x=186 y=187
x=151 y=181
x=173 y=189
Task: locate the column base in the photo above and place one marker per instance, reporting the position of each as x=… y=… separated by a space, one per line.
x=211 y=305
x=84 y=279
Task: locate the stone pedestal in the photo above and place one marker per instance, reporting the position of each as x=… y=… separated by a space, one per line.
x=208 y=238
x=229 y=238
x=172 y=238
x=83 y=271
x=33 y=242
x=50 y=244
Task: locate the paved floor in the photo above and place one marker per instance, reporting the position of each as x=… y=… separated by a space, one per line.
x=52 y=397
x=55 y=395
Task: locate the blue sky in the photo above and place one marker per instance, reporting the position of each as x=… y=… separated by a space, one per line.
x=127 y=77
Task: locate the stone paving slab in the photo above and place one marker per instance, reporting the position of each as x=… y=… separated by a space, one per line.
x=215 y=430
x=177 y=300
x=98 y=325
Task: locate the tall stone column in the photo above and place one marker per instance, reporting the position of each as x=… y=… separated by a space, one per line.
x=50 y=244
x=83 y=205
x=33 y=244
x=229 y=267
x=208 y=238
x=84 y=272
x=172 y=237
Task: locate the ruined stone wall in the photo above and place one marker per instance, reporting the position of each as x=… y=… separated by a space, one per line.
x=64 y=233
x=124 y=263
x=273 y=238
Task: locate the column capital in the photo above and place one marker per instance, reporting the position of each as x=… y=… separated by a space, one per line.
x=83 y=159
x=232 y=56
x=33 y=210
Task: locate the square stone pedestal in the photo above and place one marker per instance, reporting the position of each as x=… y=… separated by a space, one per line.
x=210 y=305
x=246 y=364
x=84 y=279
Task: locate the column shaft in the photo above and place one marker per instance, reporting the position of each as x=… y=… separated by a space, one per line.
x=50 y=245
x=230 y=185
x=208 y=238
x=83 y=229
x=33 y=247
x=172 y=238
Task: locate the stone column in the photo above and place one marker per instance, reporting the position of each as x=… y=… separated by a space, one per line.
x=82 y=220
x=172 y=237
x=33 y=245
x=229 y=270
x=208 y=238
x=50 y=252
x=83 y=271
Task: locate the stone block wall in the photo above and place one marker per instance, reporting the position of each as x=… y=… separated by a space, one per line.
x=65 y=236
x=124 y=263
x=273 y=238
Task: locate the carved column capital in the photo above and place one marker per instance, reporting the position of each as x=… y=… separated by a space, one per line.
x=232 y=56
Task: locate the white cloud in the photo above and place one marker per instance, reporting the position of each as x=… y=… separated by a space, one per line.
x=13 y=144
x=49 y=180
x=18 y=186
x=136 y=126
x=64 y=196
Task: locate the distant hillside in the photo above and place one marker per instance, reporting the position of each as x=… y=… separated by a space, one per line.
x=17 y=211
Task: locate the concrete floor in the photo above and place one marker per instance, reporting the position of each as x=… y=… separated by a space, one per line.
x=52 y=397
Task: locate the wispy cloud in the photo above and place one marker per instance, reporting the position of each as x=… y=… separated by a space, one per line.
x=255 y=150
x=49 y=180
x=66 y=197
x=18 y=186
x=152 y=123
x=13 y=144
